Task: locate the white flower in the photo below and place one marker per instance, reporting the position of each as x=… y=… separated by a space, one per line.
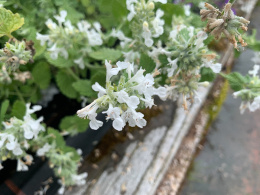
x=55 y=52
x=120 y=35
x=94 y=123
x=80 y=179
x=50 y=24
x=69 y=28
x=101 y=90
x=255 y=104
x=134 y=118
x=43 y=150
x=80 y=62
x=130 y=6
x=201 y=36
x=21 y=166
x=216 y=68
x=187 y=9
x=83 y=26
x=174 y=66
x=202 y=5
x=114 y=114
x=131 y=56
x=147 y=35
x=90 y=112
x=158 y=23
x=61 y=18
x=255 y=71
x=149 y=102
x=123 y=97
x=1 y=166
x=120 y=66
x=94 y=38
x=42 y=38
x=31 y=126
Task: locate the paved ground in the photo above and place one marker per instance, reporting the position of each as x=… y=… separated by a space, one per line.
x=229 y=163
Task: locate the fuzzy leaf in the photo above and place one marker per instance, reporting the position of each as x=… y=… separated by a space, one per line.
x=42 y=74
x=207 y=74
x=55 y=136
x=106 y=54
x=9 y=22
x=4 y=107
x=18 y=109
x=84 y=87
x=99 y=77
x=64 y=82
x=60 y=62
x=171 y=9
x=147 y=63
x=236 y=80
x=163 y=60
x=74 y=124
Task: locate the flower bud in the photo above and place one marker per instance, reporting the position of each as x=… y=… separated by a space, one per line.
x=145 y=25
x=151 y=6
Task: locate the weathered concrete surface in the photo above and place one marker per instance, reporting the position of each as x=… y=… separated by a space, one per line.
x=229 y=163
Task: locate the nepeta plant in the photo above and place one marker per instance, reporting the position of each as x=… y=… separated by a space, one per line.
x=117 y=60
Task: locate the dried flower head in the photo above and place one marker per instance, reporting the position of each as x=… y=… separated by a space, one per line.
x=225 y=22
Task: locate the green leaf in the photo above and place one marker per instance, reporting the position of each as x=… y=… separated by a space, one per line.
x=99 y=77
x=64 y=82
x=84 y=87
x=236 y=80
x=184 y=33
x=4 y=107
x=18 y=109
x=42 y=74
x=171 y=9
x=147 y=63
x=9 y=22
x=74 y=124
x=163 y=60
x=207 y=74
x=106 y=54
x=55 y=136
x=209 y=40
x=60 y=62
x=75 y=156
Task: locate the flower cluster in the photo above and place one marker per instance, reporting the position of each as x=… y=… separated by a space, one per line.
x=225 y=22
x=187 y=55
x=250 y=94
x=121 y=100
x=145 y=24
x=18 y=136
x=15 y=136
x=63 y=38
x=12 y=56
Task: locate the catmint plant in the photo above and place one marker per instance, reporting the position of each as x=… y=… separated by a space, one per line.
x=122 y=99
x=187 y=56
x=64 y=38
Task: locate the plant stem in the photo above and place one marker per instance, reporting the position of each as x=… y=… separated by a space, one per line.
x=93 y=67
x=19 y=94
x=72 y=74
x=232 y=1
